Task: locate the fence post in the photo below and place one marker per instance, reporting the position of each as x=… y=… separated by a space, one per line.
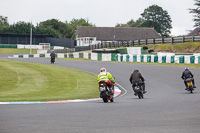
x=172 y=40
x=183 y=39
x=154 y=42
x=162 y=40
x=138 y=42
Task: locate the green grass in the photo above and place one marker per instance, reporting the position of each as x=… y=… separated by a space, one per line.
x=16 y=51
x=21 y=81
x=190 y=47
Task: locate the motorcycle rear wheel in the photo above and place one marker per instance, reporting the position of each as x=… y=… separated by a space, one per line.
x=191 y=89
x=105 y=97
x=140 y=95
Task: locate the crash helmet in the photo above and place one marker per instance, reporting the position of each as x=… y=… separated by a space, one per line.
x=136 y=70
x=186 y=68
x=103 y=70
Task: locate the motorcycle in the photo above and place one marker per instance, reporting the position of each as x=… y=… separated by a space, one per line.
x=105 y=93
x=52 y=60
x=139 y=90
x=190 y=85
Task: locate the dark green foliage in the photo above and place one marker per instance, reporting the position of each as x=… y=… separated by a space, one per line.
x=155 y=17
x=52 y=27
x=196 y=13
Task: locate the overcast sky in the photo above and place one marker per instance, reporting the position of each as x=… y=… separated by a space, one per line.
x=102 y=13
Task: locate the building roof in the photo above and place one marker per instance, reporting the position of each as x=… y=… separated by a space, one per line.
x=117 y=33
x=194 y=32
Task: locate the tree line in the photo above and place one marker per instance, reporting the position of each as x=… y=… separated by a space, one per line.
x=153 y=16
x=52 y=27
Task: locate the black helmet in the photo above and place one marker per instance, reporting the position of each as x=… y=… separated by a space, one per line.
x=136 y=70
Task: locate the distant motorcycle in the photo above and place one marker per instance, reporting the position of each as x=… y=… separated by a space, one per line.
x=105 y=92
x=139 y=90
x=52 y=60
x=190 y=85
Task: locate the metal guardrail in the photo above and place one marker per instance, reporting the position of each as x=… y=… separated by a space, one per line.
x=172 y=40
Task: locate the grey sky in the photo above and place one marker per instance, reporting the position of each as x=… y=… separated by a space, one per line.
x=102 y=13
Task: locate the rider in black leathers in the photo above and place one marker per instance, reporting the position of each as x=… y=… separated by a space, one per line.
x=136 y=77
x=187 y=74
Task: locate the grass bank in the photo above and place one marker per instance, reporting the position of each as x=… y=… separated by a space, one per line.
x=23 y=81
x=190 y=47
x=16 y=51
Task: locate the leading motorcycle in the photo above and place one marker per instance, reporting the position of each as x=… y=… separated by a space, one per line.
x=52 y=60
x=190 y=85
x=138 y=90
x=105 y=92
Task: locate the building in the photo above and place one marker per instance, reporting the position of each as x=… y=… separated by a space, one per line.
x=195 y=32
x=86 y=36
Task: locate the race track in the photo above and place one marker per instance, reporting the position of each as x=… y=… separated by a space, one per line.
x=166 y=108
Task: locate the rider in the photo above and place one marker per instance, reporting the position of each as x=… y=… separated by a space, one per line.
x=107 y=77
x=187 y=74
x=136 y=77
x=53 y=55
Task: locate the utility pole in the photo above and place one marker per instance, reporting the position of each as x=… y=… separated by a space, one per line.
x=31 y=39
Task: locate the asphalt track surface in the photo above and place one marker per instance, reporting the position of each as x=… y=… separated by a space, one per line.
x=166 y=108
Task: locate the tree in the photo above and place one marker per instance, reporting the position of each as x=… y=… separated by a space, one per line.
x=56 y=25
x=3 y=21
x=154 y=16
x=18 y=28
x=132 y=23
x=196 y=11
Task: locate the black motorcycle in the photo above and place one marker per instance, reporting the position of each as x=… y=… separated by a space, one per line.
x=52 y=60
x=190 y=85
x=105 y=93
x=139 y=90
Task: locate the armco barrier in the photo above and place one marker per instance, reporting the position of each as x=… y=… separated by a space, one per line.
x=189 y=59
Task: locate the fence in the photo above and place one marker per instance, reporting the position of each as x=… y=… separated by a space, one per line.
x=172 y=40
x=69 y=50
x=188 y=59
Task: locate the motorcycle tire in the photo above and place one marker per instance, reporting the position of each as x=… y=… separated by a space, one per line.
x=105 y=97
x=112 y=100
x=140 y=95
x=191 y=89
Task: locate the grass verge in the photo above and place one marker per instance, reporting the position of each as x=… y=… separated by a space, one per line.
x=16 y=51
x=23 y=81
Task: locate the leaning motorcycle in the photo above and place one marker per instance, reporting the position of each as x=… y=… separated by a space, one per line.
x=105 y=92
x=139 y=90
x=190 y=85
